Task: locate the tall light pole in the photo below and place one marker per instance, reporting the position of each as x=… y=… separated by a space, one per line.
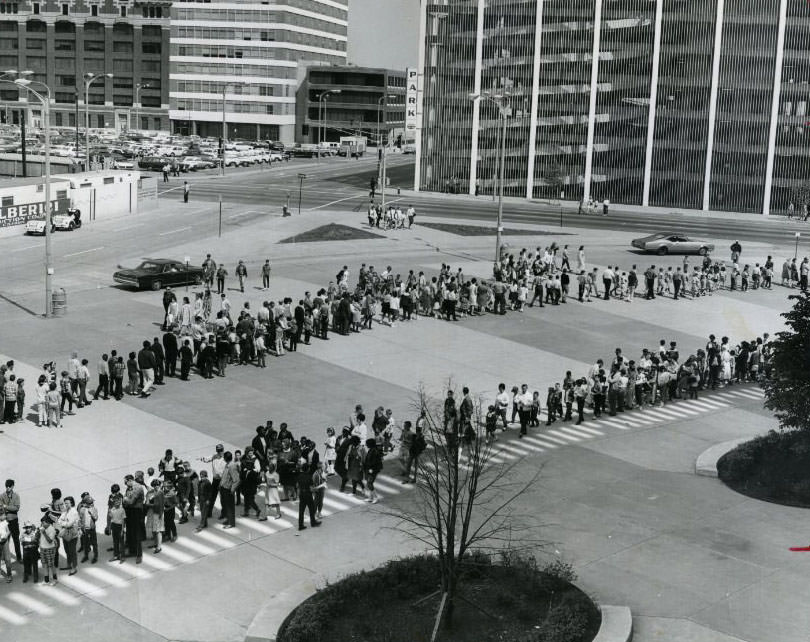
x=46 y=112
x=224 y=123
x=381 y=179
x=89 y=79
x=502 y=101
x=137 y=105
x=322 y=113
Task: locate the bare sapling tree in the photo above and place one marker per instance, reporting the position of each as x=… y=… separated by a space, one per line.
x=466 y=492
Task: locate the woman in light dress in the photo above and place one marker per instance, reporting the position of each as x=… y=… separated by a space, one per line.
x=581 y=258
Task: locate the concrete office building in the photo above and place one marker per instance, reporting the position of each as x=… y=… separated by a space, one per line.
x=355 y=99
x=669 y=103
x=61 y=41
x=251 y=50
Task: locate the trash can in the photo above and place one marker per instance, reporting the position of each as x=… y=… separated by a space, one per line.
x=285 y=211
x=59 y=302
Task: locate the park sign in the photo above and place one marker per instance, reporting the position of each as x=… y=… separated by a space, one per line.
x=12 y=215
x=411 y=92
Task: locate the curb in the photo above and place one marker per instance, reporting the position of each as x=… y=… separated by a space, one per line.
x=268 y=621
x=706 y=462
x=617 y=624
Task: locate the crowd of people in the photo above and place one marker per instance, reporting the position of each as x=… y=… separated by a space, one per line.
x=276 y=467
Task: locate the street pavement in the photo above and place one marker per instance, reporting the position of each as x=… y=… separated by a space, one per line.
x=619 y=497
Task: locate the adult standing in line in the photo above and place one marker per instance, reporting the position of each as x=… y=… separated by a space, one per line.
x=305 y=499
x=170 y=353
x=241 y=273
x=73 y=374
x=168 y=297
x=209 y=267
x=68 y=526
x=221 y=274
x=605 y=206
x=607 y=281
x=103 y=369
x=465 y=413
x=372 y=465
x=736 y=250
x=84 y=378
x=166 y=168
x=227 y=487
x=10 y=503
x=418 y=446
x=160 y=361
x=10 y=400
x=804 y=268
x=524 y=401
x=502 y=404
x=266 y=274
x=146 y=364
x=133 y=507
x=186 y=359
x=186 y=190
x=649 y=279
x=450 y=421
x=581 y=258
x=217 y=461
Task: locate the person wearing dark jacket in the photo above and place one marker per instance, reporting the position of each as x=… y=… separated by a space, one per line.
x=170 y=353
x=418 y=446
x=305 y=499
x=146 y=364
x=340 y=461
x=168 y=298
x=160 y=360
x=372 y=465
x=186 y=359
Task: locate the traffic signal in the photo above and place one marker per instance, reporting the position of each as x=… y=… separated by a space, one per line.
x=399 y=141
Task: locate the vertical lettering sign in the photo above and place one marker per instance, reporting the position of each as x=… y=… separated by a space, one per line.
x=411 y=79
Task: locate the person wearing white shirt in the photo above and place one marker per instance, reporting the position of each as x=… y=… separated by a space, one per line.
x=361 y=430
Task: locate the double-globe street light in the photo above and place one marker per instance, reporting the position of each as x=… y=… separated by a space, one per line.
x=45 y=100
x=322 y=113
x=89 y=79
x=504 y=105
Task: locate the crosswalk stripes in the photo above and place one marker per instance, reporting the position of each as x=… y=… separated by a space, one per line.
x=30 y=603
x=11 y=617
x=105 y=577
x=55 y=593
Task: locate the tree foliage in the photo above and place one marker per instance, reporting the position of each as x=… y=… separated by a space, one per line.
x=787 y=391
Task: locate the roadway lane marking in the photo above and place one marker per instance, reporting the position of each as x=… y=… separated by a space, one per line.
x=244 y=213
x=130 y=227
x=182 y=229
x=340 y=200
x=27 y=247
x=92 y=249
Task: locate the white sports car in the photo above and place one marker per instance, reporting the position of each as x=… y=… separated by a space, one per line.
x=62 y=221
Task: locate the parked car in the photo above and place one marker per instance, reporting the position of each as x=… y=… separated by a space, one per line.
x=155 y=274
x=65 y=221
x=193 y=163
x=152 y=163
x=668 y=243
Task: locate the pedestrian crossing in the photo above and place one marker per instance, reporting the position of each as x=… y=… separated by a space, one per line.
x=26 y=601
x=509 y=447
x=22 y=602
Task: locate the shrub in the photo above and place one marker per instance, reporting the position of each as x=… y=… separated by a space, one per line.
x=561 y=570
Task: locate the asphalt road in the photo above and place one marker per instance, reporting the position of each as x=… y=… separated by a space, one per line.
x=339 y=184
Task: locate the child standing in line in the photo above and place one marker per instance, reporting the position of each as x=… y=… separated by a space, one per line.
x=67 y=393
x=116 y=519
x=47 y=548
x=330 y=454
x=535 y=410
x=491 y=424
x=260 y=499
x=30 y=550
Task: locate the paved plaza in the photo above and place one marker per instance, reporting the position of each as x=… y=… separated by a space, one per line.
x=620 y=497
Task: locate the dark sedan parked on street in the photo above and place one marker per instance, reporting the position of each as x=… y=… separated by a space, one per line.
x=159 y=273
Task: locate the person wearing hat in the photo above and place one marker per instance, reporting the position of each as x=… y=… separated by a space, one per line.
x=217 y=462
x=30 y=547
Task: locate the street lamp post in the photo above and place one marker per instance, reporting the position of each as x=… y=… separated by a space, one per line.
x=381 y=174
x=89 y=79
x=796 y=250
x=224 y=123
x=46 y=113
x=137 y=105
x=322 y=113
x=504 y=110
